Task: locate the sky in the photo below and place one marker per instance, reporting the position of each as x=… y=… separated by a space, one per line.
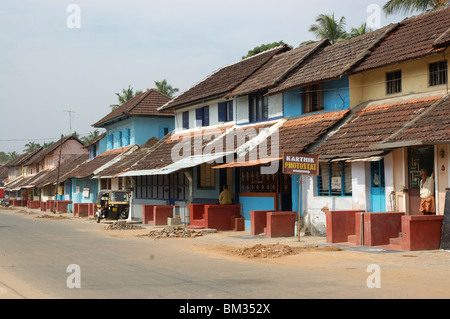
x=55 y=59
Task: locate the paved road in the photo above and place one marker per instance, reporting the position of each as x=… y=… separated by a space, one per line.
x=35 y=253
x=39 y=252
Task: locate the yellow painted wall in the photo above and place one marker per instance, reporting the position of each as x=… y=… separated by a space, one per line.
x=371 y=85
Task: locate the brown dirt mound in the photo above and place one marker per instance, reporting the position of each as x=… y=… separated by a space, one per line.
x=26 y=212
x=173 y=232
x=122 y=225
x=56 y=217
x=278 y=250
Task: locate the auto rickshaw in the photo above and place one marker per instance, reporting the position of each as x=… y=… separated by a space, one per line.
x=112 y=205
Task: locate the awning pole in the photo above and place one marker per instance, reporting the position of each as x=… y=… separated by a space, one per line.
x=299 y=206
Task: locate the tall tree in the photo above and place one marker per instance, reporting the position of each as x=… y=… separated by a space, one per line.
x=165 y=88
x=409 y=6
x=363 y=29
x=47 y=144
x=31 y=146
x=327 y=27
x=126 y=95
x=75 y=134
x=262 y=48
x=3 y=157
x=12 y=155
x=92 y=136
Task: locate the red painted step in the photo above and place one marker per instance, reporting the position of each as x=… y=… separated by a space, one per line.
x=195 y=227
x=197 y=224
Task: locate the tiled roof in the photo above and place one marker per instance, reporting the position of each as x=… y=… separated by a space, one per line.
x=276 y=69
x=88 y=168
x=39 y=156
x=36 y=157
x=443 y=40
x=369 y=126
x=50 y=176
x=332 y=61
x=224 y=80
x=297 y=134
x=3 y=172
x=66 y=167
x=145 y=104
x=431 y=128
x=160 y=154
x=238 y=140
x=415 y=37
x=124 y=163
x=11 y=184
x=21 y=159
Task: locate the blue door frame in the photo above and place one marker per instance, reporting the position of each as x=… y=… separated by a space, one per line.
x=377 y=187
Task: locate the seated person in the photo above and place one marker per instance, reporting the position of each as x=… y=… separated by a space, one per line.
x=225 y=198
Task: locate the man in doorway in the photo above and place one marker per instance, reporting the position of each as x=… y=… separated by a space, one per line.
x=225 y=198
x=427 y=201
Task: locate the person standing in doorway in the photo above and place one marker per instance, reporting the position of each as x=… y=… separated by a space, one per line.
x=427 y=200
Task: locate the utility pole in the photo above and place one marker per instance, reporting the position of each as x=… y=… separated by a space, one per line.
x=57 y=176
x=70 y=119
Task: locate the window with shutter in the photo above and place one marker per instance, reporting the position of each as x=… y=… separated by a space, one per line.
x=186 y=119
x=202 y=116
x=225 y=111
x=258 y=107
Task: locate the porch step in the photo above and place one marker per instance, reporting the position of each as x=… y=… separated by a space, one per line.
x=195 y=227
x=197 y=224
x=396 y=241
x=352 y=239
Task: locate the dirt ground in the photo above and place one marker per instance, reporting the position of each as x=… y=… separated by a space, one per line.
x=420 y=274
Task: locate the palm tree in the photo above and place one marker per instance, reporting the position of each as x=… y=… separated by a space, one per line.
x=264 y=47
x=127 y=94
x=363 y=29
x=31 y=146
x=12 y=155
x=47 y=144
x=92 y=136
x=165 y=88
x=409 y=6
x=327 y=27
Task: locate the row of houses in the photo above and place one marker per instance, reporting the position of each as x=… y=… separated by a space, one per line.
x=375 y=109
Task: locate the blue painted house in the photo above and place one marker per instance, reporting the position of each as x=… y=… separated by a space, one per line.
x=319 y=88
x=203 y=112
x=287 y=103
x=308 y=88
x=137 y=120
x=126 y=128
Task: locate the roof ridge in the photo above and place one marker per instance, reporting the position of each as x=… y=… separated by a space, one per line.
x=389 y=28
x=145 y=94
x=142 y=96
x=316 y=47
x=427 y=12
x=163 y=107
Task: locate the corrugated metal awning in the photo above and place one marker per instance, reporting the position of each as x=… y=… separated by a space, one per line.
x=248 y=163
x=187 y=162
